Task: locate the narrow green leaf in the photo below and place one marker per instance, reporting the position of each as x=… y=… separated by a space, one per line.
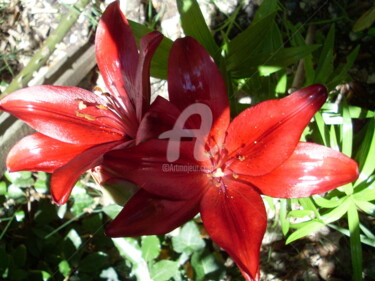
x=150 y=247
x=365 y=240
x=365 y=21
x=283 y=216
x=308 y=204
x=308 y=228
x=358 y=112
x=244 y=45
x=266 y=8
x=300 y=214
x=366 y=194
x=337 y=212
x=333 y=142
x=321 y=127
x=343 y=73
x=327 y=203
x=355 y=242
x=346 y=131
x=163 y=270
x=366 y=206
x=366 y=153
x=246 y=65
x=325 y=63
x=194 y=25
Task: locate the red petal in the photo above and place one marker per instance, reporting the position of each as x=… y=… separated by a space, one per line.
x=235 y=218
x=38 y=152
x=193 y=77
x=147 y=166
x=146 y=214
x=265 y=135
x=116 y=53
x=160 y=118
x=310 y=170
x=64 y=178
x=67 y=114
x=148 y=46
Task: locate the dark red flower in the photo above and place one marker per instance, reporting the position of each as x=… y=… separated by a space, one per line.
x=75 y=126
x=257 y=153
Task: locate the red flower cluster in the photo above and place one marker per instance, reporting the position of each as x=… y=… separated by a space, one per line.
x=220 y=173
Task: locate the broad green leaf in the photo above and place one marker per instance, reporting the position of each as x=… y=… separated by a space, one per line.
x=64 y=267
x=163 y=270
x=159 y=63
x=97 y=258
x=203 y=264
x=366 y=153
x=248 y=64
x=282 y=84
x=130 y=250
x=194 y=25
x=19 y=255
x=189 y=239
x=365 y=21
x=150 y=247
x=308 y=228
x=355 y=242
x=112 y=210
x=3 y=188
x=75 y=238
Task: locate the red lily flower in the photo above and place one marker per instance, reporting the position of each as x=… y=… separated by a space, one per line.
x=76 y=127
x=257 y=153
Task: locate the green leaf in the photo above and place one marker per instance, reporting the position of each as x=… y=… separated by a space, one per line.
x=242 y=48
x=150 y=247
x=325 y=63
x=365 y=21
x=365 y=155
x=283 y=216
x=355 y=242
x=308 y=228
x=342 y=75
x=366 y=206
x=189 y=239
x=366 y=194
x=19 y=256
x=130 y=250
x=3 y=188
x=64 y=268
x=159 y=63
x=203 y=263
x=337 y=212
x=163 y=270
x=266 y=8
x=327 y=203
x=112 y=210
x=194 y=25
x=300 y=213
x=98 y=259
x=346 y=131
x=248 y=64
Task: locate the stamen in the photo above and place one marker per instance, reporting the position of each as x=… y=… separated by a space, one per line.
x=87 y=116
x=241 y=157
x=81 y=105
x=218 y=173
x=234 y=175
x=100 y=106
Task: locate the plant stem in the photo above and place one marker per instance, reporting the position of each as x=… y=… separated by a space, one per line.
x=44 y=52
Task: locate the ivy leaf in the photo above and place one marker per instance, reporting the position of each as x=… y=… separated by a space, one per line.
x=189 y=239
x=163 y=270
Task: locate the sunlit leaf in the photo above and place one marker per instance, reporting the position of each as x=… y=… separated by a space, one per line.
x=189 y=239
x=355 y=242
x=365 y=21
x=150 y=247
x=163 y=270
